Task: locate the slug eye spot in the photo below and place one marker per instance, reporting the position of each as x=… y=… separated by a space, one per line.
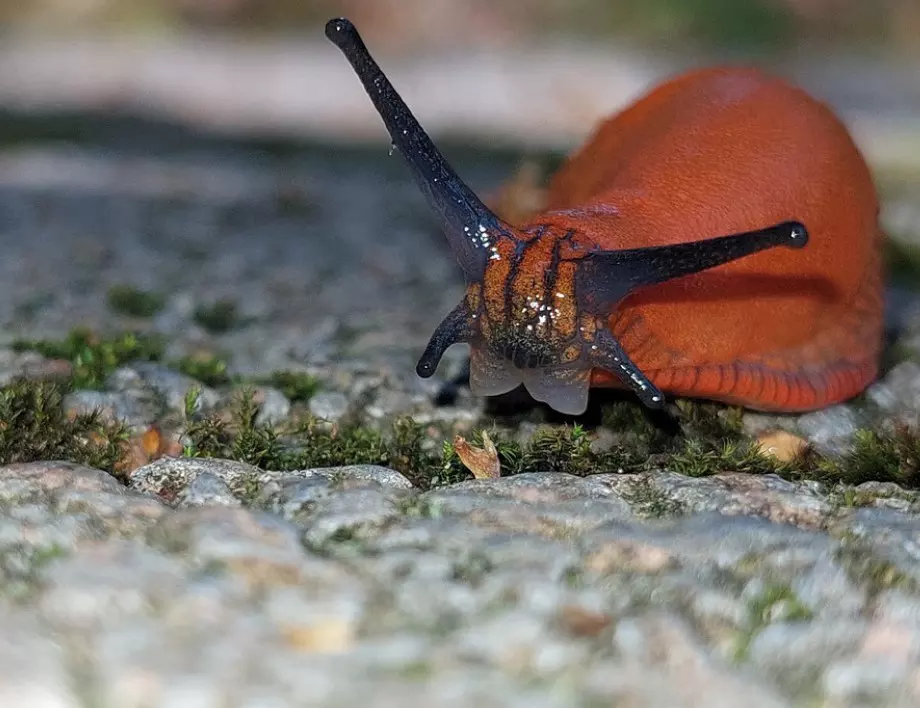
x=490 y=375
x=563 y=389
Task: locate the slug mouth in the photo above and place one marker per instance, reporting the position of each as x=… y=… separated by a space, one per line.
x=562 y=387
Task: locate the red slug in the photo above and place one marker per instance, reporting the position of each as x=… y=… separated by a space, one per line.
x=654 y=264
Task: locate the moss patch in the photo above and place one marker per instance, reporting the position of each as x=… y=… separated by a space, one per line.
x=864 y=566
x=220 y=317
x=649 y=502
x=209 y=369
x=308 y=442
x=128 y=300
x=890 y=456
x=94 y=357
x=776 y=603
x=299 y=387
x=34 y=427
x=701 y=439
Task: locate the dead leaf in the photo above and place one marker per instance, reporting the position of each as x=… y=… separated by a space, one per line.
x=150 y=445
x=781 y=445
x=481 y=461
x=150 y=441
x=581 y=622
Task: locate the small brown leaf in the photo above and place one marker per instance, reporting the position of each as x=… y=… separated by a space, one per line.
x=481 y=461
x=781 y=445
x=581 y=622
x=150 y=442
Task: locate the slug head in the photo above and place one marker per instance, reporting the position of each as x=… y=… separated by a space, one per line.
x=537 y=302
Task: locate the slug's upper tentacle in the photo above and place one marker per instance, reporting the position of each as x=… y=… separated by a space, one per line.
x=471 y=228
x=606 y=277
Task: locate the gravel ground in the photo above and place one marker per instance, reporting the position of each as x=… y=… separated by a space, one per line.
x=349 y=586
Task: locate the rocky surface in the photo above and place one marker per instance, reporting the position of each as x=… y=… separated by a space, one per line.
x=342 y=587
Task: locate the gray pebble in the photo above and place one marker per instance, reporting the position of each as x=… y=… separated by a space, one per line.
x=170 y=385
x=136 y=409
x=330 y=406
x=831 y=430
x=206 y=489
x=899 y=391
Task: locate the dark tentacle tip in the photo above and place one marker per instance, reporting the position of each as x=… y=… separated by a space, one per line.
x=426 y=367
x=798 y=234
x=341 y=32
x=653 y=398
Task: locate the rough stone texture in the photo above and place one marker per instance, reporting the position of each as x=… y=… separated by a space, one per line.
x=346 y=586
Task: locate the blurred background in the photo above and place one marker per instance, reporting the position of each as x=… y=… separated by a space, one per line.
x=889 y=24
x=222 y=154
x=541 y=71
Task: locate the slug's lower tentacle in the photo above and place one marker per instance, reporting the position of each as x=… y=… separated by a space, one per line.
x=454 y=329
x=607 y=354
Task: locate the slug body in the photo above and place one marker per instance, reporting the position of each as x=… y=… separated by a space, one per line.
x=655 y=263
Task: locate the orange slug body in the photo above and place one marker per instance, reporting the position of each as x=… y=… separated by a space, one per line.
x=719 y=238
x=721 y=151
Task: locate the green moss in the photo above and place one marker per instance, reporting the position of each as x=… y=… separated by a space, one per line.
x=418 y=507
x=128 y=300
x=209 y=369
x=308 y=442
x=94 y=357
x=649 y=502
x=892 y=456
x=696 y=458
x=218 y=317
x=776 y=603
x=634 y=421
x=35 y=427
x=864 y=567
x=709 y=421
x=299 y=387
x=561 y=448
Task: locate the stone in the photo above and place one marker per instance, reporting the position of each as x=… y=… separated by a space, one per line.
x=170 y=385
x=766 y=495
x=168 y=478
x=330 y=406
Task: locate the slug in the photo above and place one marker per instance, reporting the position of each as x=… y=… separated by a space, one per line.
x=670 y=256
